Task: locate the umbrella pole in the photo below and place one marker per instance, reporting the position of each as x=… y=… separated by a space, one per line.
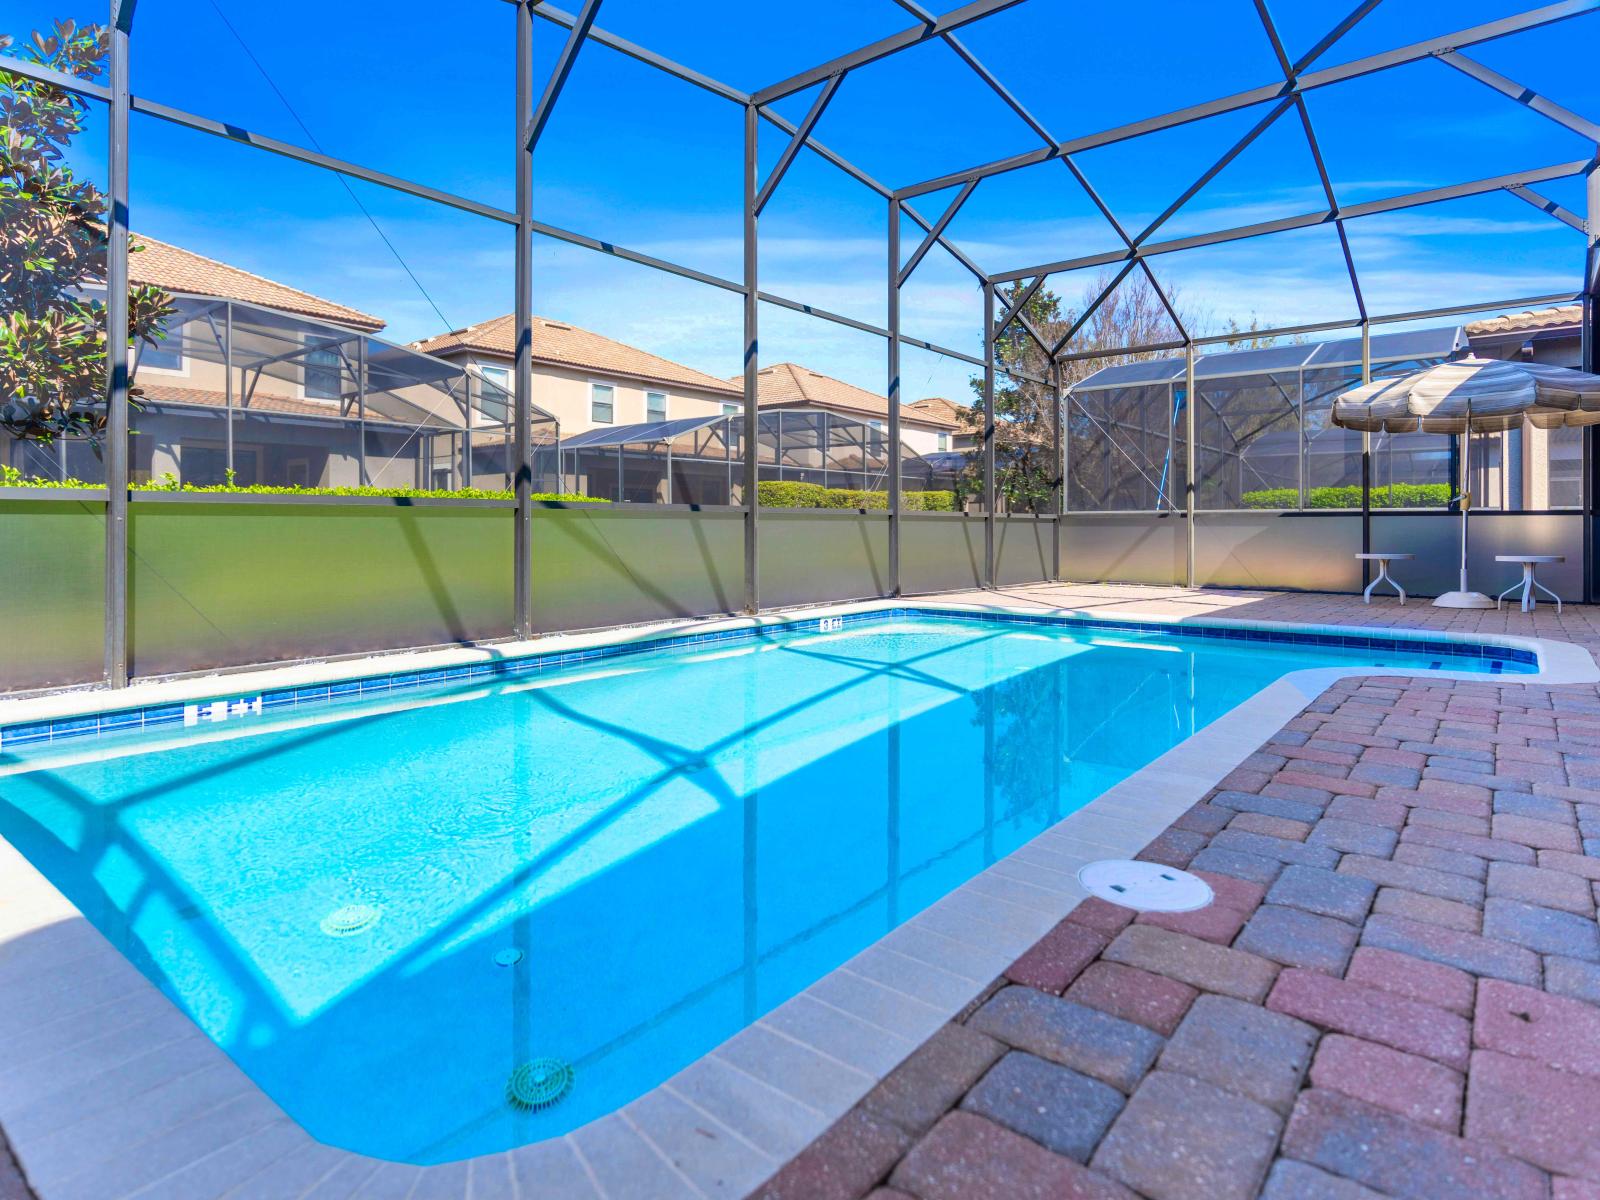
x=1466 y=491
x=1462 y=597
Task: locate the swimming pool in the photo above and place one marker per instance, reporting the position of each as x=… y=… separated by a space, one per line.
x=381 y=906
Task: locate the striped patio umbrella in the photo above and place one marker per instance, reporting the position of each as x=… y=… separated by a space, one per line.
x=1471 y=395
x=1480 y=395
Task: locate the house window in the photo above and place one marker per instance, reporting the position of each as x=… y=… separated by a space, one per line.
x=602 y=403
x=166 y=355
x=321 y=374
x=494 y=394
x=655 y=406
x=944 y=442
x=732 y=410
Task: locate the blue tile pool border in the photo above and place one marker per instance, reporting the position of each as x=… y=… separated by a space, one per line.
x=124 y=720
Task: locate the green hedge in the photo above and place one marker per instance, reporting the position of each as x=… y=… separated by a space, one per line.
x=774 y=493
x=11 y=477
x=1399 y=495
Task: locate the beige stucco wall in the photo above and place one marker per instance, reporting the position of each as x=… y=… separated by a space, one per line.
x=916 y=435
x=568 y=393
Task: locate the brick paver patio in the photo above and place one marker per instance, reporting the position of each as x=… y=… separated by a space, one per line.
x=1396 y=991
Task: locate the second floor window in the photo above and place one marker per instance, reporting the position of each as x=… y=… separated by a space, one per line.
x=602 y=403
x=732 y=410
x=655 y=406
x=321 y=374
x=944 y=442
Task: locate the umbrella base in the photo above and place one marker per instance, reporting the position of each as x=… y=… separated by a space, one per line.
x=1463 y=600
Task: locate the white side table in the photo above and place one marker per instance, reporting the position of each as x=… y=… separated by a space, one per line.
x=1529 y=583
x=1383 y=559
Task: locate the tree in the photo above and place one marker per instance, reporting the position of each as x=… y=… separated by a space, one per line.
x=53 y=252
x=1250 y=337
x=1025 y=467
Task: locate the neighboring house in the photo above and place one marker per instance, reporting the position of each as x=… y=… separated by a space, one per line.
x=586 y=380
x=786 y=386
x=278 y=386
x=1542 y=468
x=291 y=428
x=1546 y=335
x=964 y=428
x=283 y=387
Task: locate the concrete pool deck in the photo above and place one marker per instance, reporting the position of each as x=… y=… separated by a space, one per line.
x=83 y=1020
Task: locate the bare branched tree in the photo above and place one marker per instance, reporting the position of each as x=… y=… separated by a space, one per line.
x=1025 y=468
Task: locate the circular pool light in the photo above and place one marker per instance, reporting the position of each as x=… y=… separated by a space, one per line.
x=1146 y=886
x=509 y=957
x=540 y=1084
x=350 y=920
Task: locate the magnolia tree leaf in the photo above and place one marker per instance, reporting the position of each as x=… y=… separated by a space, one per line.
x=53 y=352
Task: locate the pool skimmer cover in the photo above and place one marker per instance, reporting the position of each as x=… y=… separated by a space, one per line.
x=540 y=1084
x=350 y=920
x=1146 y=886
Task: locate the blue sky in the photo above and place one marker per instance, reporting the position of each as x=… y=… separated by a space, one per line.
x=635 y=157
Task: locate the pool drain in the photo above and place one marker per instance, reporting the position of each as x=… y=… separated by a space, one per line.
x=1147 y=886
x=540 y=1084
x=509 y=957
x=350 y=920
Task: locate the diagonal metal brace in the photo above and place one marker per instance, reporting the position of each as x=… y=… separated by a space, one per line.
x=558 y=75
x=1016 y=308
x=1083 y=320
x=1526 y=96
x=936 y=233
x=1565 y=215
x=801 y=135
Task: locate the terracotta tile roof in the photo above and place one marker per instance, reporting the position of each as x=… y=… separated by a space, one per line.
x=560 y=344
x=1531 y=321
x=948 y=410
x=787 y=384
x=164 y=394
x=177 y=270
x=161 y=395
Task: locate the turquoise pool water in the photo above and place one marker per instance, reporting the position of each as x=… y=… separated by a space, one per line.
x=676 y=842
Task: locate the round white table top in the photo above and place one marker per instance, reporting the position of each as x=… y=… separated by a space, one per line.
x=1390 y=557
x=1530 y=558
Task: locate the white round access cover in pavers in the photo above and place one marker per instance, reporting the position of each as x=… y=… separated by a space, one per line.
x=1147 y=886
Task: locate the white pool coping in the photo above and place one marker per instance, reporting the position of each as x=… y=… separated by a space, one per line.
x=108 y=1092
